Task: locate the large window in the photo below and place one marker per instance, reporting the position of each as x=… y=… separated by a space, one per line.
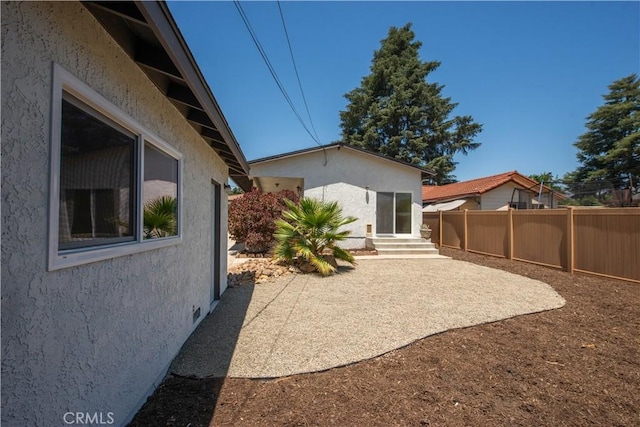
x=97 y=179
x=115 y=187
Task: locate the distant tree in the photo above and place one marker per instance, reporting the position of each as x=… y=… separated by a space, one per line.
x=609 y=152
x=547 y=179
x=236 y=190
x=395 y=111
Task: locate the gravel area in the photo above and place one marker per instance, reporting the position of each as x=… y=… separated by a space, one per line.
x=306 y=323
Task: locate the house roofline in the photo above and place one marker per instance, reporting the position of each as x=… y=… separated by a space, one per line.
x=339 y=145
x=511 y=176
x=173 y=58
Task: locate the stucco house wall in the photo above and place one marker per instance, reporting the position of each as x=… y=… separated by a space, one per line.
x=95 y=337
x=498 y=197
x=351 y=178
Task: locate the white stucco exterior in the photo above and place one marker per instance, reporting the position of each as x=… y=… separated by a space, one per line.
x=95 y=337
x=498 y=197
x=502 y=195
x=353 y=179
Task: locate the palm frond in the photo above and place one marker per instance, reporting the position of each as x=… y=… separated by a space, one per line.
x=308 y=228
x=343 y=255
x=160 y=217
x=322 y=266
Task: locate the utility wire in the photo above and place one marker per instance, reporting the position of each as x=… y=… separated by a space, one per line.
x=304 y=99
x=272 y=70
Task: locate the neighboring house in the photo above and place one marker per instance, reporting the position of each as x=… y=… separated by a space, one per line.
x=384 y=194
x=104 y=108
x=509 y=189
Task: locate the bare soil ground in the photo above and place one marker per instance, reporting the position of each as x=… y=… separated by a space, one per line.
x=575 y=366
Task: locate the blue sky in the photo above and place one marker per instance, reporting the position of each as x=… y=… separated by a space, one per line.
x=530 y=72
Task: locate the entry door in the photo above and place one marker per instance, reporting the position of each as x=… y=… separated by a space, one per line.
x=215 y=241
x=393 y=213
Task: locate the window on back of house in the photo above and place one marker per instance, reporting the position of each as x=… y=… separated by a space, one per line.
x=97 y=179
x=115 y=188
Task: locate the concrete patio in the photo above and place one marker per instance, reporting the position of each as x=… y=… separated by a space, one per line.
x=307 y=323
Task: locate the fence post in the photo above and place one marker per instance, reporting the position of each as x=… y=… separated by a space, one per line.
x=440 y=228
x=570 y=242
x=465 y=230
x=510 y=233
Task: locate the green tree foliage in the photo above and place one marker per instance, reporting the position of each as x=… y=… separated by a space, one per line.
x=311 y=228
x=609 y=152
x=160 y=217
x=252 y=217
x=236 y=190
x=395 y=111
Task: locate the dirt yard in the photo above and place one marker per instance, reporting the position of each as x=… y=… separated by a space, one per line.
x=575 y=366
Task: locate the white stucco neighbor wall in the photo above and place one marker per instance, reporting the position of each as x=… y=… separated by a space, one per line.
x=344 y=177
x=498 y=197
x=91 y=338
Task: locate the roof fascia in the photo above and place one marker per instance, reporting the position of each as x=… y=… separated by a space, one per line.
x=424 y=172
x=160 y=20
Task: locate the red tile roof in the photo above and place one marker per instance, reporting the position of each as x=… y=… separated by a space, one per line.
x=474 y=187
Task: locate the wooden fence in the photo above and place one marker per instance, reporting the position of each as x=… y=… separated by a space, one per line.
x=605 y=242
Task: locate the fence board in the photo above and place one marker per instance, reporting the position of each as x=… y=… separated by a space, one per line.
x=488 y=232
x=453 y=229
x=607 y=242
x=540 y=237
x=597 y=241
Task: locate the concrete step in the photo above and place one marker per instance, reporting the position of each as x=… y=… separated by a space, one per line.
x=404 y=251
x=401 y=246
x=418 y=244
x=376 y=240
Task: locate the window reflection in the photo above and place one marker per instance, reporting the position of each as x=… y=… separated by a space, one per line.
x=160 y=194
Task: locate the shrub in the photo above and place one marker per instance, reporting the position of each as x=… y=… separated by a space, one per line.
x=310 y=231
x=252 y=217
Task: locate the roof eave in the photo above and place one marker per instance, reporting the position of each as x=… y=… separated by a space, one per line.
x=202 y=110
x=425 y=173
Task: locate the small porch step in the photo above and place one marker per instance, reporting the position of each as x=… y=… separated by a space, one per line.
x=401 y=246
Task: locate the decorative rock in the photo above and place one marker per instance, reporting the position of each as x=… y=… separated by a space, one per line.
x=256 y=270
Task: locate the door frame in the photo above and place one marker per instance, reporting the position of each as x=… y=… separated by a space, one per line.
x=216 y=241
x=394 y=214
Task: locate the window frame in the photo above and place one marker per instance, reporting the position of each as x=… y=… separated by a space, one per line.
x=64 y=81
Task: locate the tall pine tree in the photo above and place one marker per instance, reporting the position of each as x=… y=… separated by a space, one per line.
x=395 y=111
x=609 y=152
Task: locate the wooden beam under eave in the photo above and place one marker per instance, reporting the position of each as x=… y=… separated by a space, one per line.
x=156 y=59
x=216 y=145
x=228 y=158
x=201 y=118
x=183 y=95
x=126 y=10
x=213 y=134
x=237 y=169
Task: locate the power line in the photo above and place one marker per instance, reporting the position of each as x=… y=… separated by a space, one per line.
x=304 y=99
x=272 y=70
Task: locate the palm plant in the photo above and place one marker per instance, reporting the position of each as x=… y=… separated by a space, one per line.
x=308 y=230
x=160 y=217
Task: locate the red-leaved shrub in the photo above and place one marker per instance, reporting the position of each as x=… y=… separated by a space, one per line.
x=252 y=217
